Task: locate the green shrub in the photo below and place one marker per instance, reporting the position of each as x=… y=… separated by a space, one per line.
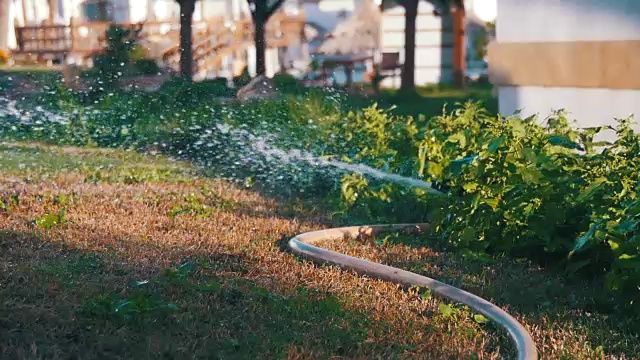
x=137 y=53
x=116 y=61
x=547 y=192
x=147 y=67
x=243 y=79
x=288 y=84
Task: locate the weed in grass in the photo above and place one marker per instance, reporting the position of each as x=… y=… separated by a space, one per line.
x=8 y=202
x=139 y=305
x=64 y=200
x=50 y=221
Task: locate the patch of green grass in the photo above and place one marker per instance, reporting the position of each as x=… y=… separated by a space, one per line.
x=114 y=290
x=34 y=161
x=69 y=271
x=429 y=100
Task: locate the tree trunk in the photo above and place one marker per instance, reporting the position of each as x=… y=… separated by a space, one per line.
x=261 y=48
x=459 y=64
x=187 y=8
x=408 y=82
x=5 y=23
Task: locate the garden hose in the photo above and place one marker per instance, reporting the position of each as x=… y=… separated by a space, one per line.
x=303 y=245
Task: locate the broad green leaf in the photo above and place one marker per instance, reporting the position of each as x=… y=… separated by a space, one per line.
x=434 y=169
x=530 y=175
x=563 y=141
x=445 y=310
x=480 y=319
x=530 y=155
x=470 y=187
x=613 y=245
x=518 y=126
x=458 y=138
x=588 y=192
x=468 y=234
x=626 y=226
x=627 y=257
x=492 y=202
x=456 y=166
x=495 y=144
x=587 y=236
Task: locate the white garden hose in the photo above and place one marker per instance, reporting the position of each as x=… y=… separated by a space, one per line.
x=302 y=245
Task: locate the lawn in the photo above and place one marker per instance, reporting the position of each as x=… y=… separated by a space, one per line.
x=152 y=259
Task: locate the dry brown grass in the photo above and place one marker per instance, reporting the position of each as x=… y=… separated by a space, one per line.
x=238 y=294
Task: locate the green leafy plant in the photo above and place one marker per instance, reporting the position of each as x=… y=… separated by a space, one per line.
x=120 y=53
x=50 y=221
x=287 y=84
x=540 y=191
x=8 y=202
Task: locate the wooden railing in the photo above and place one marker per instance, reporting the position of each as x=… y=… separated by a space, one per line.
x=210 y=50
x=213 y=39
x=85 y=38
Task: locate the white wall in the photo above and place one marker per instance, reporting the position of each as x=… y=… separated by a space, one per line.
x=569 y=20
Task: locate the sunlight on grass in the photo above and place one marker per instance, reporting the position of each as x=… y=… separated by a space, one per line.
x=29 y=160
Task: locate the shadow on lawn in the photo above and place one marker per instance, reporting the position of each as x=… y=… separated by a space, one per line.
x=59 y=302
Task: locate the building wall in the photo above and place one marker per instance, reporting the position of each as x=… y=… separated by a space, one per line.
x=434 y=44
x=6 y=12
x=572 y=77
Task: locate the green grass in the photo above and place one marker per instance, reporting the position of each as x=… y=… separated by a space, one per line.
x=38 y=161
x=430 y=100
x=36 y=75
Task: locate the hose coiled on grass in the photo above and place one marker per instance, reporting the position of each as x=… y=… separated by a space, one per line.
x=303 y=245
